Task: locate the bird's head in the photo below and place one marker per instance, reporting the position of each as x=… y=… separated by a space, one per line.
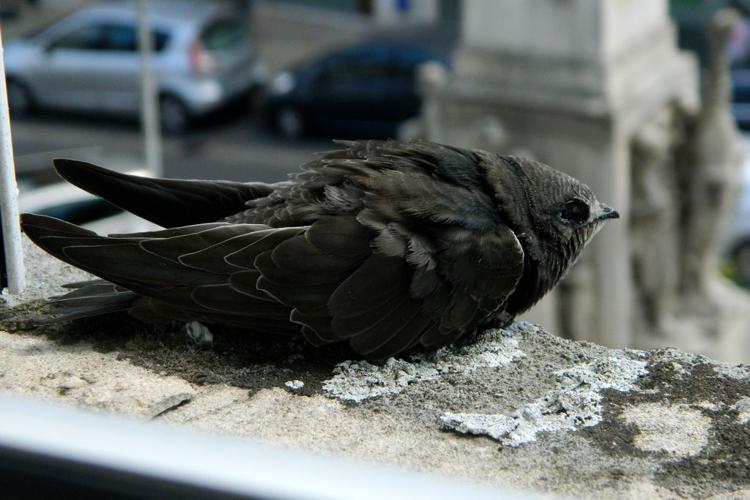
x=552 y=214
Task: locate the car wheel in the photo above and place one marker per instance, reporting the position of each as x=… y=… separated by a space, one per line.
x=20 y=100
x=173 y=115
x=742 y=261
x=290 y=123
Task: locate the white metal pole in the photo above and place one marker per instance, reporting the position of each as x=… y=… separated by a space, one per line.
x=9 y=193
x=149 y=97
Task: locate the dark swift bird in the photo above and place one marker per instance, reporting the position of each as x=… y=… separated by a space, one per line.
x=384 y=245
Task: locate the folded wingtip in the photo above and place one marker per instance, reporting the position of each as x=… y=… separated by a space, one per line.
x=39 y=225
x=67 y=167
x=28 y=220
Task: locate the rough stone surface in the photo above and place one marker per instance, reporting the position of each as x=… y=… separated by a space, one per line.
x=75 y=374
x=545 y=414
x=678 y=430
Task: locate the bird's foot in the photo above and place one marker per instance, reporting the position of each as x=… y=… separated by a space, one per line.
x=198 y=333
x=501 y=320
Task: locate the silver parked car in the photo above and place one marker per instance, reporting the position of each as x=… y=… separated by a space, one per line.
x=89 y=61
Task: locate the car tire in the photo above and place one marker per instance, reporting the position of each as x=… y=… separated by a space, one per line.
x=174 y=115
x=289 y=122
x=20 y=100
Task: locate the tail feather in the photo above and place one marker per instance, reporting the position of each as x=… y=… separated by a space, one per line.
x=86 y=298
x=92 y=298
x=166 y=202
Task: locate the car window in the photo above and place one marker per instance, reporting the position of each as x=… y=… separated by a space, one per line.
x=109 y=37
x=121 y=38
x=86 y=38
x=124 y=38
x=222 y=34
x=160 y=40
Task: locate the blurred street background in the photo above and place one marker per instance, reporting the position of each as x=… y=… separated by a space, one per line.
x=235 y=142
x=231 y=143
x=250 y=90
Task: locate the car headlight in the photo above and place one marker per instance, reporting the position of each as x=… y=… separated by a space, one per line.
x=282 y=83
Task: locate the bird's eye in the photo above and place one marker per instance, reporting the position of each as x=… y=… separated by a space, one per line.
x=575 y=211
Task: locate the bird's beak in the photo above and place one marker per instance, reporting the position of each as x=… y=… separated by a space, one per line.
x=606 y=212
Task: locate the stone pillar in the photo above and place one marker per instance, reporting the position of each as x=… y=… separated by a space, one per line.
x=572 y=81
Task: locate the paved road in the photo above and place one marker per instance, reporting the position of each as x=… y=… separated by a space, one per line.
x=228 y=146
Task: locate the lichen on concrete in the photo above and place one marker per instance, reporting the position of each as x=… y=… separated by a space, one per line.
x=573 y=404
x=294 y=386
x=742 y=407
x=356 y=381
x=734 y=371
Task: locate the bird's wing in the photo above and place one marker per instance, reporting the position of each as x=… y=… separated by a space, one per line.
x=442 y=260
x=386 y=291
x=341 y=290
x=207 y=269
x=325 y=277
x=166 y=202
x=330 y=277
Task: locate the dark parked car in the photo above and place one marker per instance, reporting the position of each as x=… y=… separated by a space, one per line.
x=364 y=91
x=741 y=96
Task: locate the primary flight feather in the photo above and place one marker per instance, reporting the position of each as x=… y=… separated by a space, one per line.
x=384 y=245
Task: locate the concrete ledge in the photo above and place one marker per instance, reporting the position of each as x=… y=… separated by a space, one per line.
x=520 y=408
